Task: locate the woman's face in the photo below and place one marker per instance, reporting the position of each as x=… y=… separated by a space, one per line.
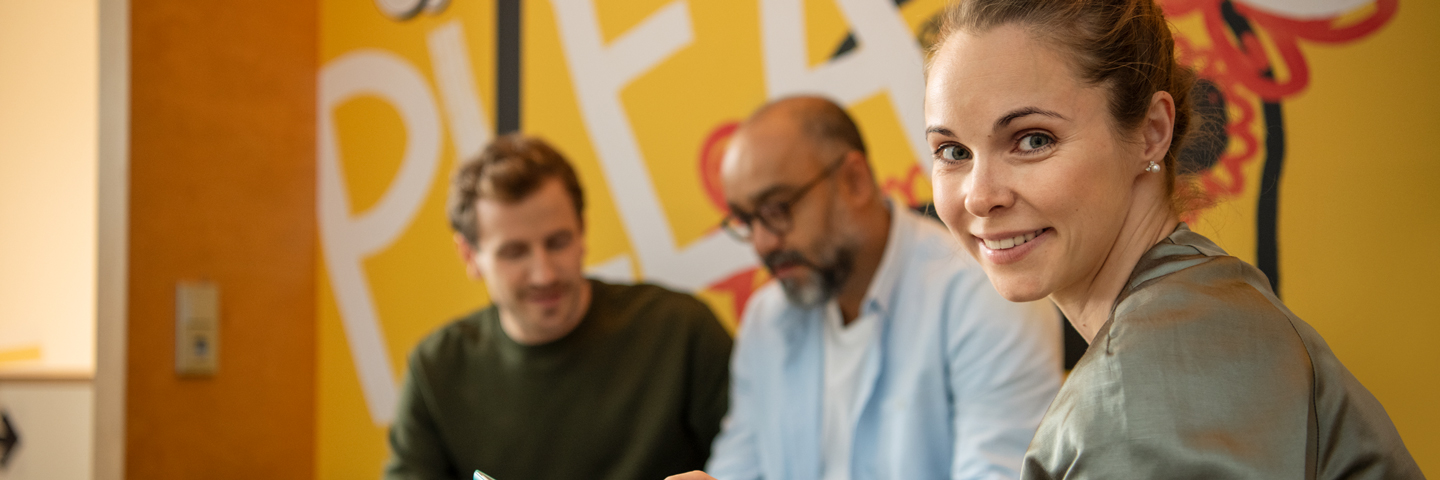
x=1029 y=174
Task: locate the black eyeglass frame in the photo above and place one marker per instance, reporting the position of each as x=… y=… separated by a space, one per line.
x=774 y=214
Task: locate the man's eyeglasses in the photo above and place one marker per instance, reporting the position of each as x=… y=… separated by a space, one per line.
x=773 y=215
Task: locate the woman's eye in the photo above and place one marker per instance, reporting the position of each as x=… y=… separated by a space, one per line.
x=1035 y=141
x=952 y=153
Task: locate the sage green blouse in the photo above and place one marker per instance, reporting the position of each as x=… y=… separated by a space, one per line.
x=1201 y=372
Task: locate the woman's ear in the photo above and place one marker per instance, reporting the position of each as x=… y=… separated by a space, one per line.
x=1158 y=127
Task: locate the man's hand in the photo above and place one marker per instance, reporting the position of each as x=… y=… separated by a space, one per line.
x=695 y=475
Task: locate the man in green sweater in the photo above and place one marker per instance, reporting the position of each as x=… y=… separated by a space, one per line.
x=563 y=377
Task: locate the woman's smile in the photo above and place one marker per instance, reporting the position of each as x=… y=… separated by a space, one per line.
x=1010 y=247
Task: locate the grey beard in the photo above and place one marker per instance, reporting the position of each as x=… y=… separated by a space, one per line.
x=822 y=282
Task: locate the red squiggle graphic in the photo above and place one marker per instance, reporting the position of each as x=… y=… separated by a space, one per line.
x=711 y=153
x=1241 y=69
x=904 y=187
x=1245 y=61
x=740 y=286
x=1239 y=130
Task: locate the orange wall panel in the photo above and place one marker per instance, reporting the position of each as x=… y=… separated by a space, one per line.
x=223 y=189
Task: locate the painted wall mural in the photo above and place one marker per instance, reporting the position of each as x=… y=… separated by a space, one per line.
x=643 y=94
x=1247 y=56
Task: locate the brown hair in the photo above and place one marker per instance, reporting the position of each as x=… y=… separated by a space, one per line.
x=509 y=169
x=1123 y=45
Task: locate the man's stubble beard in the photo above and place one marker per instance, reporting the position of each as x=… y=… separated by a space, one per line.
x=823 y=281
x=541 y=320
x=824 y=276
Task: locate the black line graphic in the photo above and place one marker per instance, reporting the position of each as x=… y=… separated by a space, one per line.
x=1267 y=208
x=507 y=66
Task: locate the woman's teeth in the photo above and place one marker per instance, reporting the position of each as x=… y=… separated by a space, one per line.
x=1016 y=241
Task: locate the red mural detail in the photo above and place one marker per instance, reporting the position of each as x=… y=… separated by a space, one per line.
x=739 y=286
x=904 y=187
x=1239 y=67
x=711 y=153
x=1239 y=130
x=1245 y=61
x=742 y=284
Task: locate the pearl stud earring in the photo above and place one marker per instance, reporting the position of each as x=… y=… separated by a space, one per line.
x=1153 y=167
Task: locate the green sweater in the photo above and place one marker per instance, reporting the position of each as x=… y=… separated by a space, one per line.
x=637 y=391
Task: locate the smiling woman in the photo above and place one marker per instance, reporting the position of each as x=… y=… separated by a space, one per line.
x=1055 y=127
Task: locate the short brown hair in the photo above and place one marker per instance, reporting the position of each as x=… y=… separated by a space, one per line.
x=509 y=169
x=1123 y=45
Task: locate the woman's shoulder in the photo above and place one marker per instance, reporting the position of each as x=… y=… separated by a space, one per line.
x=1193 y=364
x=1213 y=305
x=1206 y=351
x=1200 y=337
x=1187 y=296
x=1207 y=321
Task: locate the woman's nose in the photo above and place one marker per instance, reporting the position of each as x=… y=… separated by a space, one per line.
x=987 y=191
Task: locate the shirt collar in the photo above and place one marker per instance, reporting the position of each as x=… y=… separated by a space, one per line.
x=882 y=287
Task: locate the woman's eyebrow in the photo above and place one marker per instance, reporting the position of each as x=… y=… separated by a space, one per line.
x=1021 y=112
x=940 y=130
x=1003 y=121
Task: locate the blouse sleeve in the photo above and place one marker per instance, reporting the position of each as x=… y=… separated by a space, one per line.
x=1190 y=380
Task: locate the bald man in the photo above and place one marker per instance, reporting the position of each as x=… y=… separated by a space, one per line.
x=881 y=351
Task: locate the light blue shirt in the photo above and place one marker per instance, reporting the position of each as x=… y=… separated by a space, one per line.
x=955 y=388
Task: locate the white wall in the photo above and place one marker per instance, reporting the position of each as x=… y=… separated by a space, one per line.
x=54 y=422
x=64 y=89
x=113 y=239
x=49 y=62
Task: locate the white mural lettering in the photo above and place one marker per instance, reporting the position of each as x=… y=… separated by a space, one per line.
x=469 y=129
x=887 y=59
x=600 y=72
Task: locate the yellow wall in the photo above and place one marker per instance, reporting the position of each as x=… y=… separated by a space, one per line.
x=1355 y=198
x=1357 y=210
x=222 y=188
x=1353 y=213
